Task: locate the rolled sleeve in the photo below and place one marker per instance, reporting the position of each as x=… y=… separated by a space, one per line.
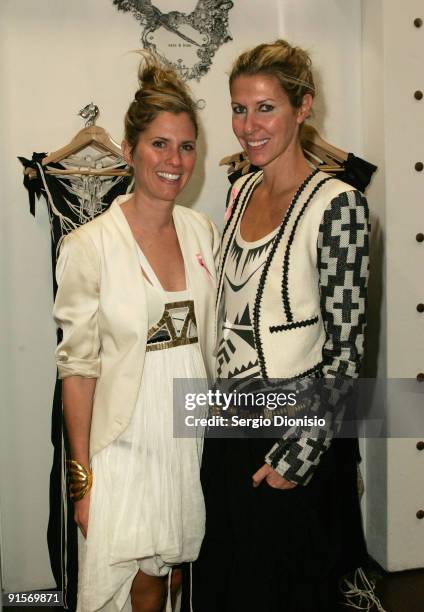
x=76 y=307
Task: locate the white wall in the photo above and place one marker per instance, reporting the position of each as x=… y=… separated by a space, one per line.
x=393 y=135
x=56 y=56
x=375 y=451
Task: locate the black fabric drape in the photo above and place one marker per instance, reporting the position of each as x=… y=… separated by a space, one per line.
x=356 y=172
x=63 y=207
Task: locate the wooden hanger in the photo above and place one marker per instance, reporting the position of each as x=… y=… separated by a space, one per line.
x=314 y=143
x=91 y=135
x=318 y=152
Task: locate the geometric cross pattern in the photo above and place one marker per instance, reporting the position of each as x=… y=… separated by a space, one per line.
x=342 y=256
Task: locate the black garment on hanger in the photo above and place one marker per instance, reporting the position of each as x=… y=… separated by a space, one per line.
x=66 y=213
x=356 y=172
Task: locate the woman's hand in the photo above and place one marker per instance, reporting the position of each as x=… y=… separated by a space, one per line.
x=81 y=511
x=272 y=477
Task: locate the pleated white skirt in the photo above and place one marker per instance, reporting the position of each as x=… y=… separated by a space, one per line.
x=146 y=507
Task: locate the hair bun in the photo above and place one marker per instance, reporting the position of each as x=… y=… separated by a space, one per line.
x=160 y=90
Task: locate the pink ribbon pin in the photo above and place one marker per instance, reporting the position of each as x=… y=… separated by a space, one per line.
x=202 y=263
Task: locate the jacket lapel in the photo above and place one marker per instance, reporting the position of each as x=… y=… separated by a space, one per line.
x=200 y=280
x=125 y=258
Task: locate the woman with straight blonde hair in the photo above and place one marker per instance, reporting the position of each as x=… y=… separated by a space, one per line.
x=282 y=516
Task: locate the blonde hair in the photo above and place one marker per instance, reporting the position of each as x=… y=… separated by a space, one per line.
x=161 y=90
x=291 y=66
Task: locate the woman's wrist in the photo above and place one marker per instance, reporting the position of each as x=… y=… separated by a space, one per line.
x=80 y=479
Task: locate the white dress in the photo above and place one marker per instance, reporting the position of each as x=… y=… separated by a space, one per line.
x=237 y=356
x=146 y=507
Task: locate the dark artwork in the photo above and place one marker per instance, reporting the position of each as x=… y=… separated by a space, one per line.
x=203 y=30
x=71 y=201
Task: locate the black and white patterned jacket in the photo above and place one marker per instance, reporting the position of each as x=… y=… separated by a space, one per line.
x=309 y=310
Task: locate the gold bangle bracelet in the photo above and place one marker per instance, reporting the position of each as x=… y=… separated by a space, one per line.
x=80 y=479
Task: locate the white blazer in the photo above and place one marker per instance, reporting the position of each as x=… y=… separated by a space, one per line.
x=101 y=308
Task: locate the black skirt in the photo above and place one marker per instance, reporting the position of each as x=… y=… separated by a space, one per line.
x=275 y=550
